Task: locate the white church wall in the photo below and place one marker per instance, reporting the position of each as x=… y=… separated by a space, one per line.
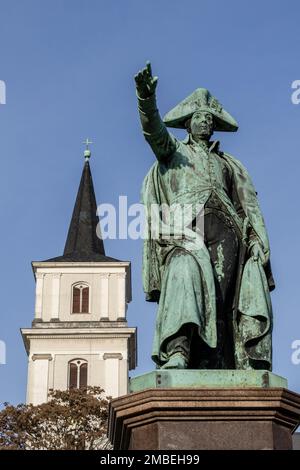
x=107 y=293
x=51 y=346
x=38 y=378
x=107 y=360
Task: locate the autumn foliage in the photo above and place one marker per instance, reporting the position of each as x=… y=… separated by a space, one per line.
x=75 y=419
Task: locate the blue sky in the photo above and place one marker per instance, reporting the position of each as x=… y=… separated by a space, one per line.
x=68 y=66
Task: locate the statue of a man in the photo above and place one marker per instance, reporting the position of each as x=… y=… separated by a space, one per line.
x=214 y=301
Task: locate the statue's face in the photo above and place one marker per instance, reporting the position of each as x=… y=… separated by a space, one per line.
x=201 y=125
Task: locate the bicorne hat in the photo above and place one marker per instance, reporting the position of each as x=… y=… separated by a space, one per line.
x=200 y=100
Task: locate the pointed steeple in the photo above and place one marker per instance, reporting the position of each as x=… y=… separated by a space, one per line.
x=82 y=235
x=83 y=242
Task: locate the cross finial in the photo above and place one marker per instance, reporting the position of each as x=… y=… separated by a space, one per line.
x=87 y=152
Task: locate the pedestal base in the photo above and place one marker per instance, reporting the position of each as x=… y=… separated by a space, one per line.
x=204 y=418
x=203 y=378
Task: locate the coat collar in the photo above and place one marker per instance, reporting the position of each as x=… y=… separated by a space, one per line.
x=213 y=145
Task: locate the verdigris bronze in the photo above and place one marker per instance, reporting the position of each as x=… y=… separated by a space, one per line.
x=214 y=308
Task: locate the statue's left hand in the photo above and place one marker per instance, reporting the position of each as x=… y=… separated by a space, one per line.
x=257 y=253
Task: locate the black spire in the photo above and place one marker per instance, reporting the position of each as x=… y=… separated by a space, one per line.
x=82 y=243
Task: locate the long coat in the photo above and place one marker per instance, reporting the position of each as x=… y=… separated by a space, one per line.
x=254 y=324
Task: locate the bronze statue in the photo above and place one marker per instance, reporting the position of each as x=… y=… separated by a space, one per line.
x=214 y=302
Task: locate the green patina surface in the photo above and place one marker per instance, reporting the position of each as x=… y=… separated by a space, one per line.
x=207 y=379
x=182 y=275
x=220 y=264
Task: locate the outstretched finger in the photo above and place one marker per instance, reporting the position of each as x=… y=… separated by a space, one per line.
x=148 y=67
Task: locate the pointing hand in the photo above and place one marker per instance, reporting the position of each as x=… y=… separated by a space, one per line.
x=145 y=82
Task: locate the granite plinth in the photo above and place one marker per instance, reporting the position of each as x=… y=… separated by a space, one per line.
x=193 y=417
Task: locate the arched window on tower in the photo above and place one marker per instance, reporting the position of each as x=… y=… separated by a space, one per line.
x=80 y=298
x=77 y=374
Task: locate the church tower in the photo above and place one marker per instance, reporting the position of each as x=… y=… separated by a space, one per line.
x=79 y=336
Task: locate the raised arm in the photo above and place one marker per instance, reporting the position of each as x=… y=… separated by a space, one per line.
x=160 y=140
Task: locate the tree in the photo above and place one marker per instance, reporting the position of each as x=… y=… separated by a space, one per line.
x=75 y=419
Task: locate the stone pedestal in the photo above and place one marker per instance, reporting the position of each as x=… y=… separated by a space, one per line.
x=195 y=418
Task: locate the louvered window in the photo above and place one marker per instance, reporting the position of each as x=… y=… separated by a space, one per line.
x=80 y=298
x=78 y=369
